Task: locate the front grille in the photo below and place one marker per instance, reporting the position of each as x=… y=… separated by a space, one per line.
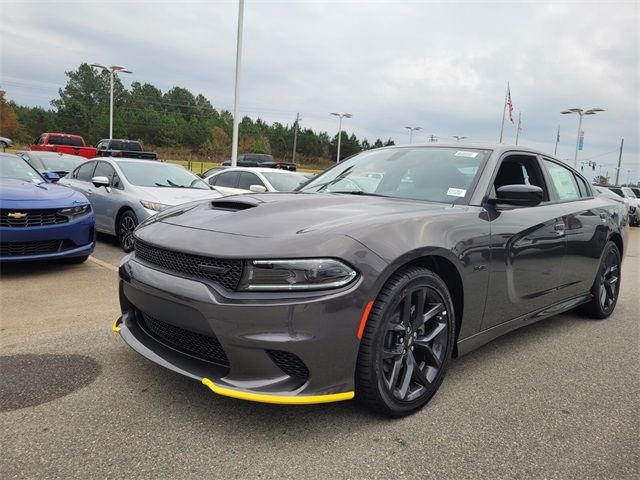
x=31 y=218
x=289 y=363
x=25 y=249
x=205 y=347
x=226 y=273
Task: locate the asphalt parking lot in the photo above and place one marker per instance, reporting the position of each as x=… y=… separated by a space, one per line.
x=558 y=399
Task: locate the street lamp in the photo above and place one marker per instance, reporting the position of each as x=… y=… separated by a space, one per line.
x=340 y=115
x=112 y=71
x=580 y=112
x=411 y=130
x=459 y=137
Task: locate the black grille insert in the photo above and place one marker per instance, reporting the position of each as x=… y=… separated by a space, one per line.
x=195 y=344
x=289 y=363
x=30 y=218
x=25 y=249
x=226 y=273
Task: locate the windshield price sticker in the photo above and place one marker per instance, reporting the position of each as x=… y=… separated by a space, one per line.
x=456 y=192
x=462 y=153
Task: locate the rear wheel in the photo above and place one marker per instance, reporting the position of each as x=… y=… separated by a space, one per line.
x=407 y=343
x=127 y=223
x=606 y=286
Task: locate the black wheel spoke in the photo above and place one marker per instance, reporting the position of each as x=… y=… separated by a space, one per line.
x=394 y=374
x=418 y=375
x=429 y=355
x=418 y=317
x=438 y=328
x=407 y=375
x=405 y=316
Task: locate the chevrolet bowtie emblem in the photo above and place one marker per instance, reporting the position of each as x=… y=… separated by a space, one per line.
x=16 y=215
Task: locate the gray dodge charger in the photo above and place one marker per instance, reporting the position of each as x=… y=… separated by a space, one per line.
x=367 y=281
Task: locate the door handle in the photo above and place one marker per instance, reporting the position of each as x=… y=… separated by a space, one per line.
x=88 y=191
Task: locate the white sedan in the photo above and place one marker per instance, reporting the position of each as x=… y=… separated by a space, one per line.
x=231 y=181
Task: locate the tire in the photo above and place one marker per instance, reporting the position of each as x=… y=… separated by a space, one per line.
x=606 y=285
x=406 y=348
x=3 y=145
x=127 y=223
x=74 y=260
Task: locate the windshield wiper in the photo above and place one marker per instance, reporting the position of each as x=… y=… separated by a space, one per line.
x=359 y=192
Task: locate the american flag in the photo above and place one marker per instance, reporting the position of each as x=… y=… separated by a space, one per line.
x=509 y=104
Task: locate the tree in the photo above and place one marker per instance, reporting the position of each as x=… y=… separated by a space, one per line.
x=9 y=124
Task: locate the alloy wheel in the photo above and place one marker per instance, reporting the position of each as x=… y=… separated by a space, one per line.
x=125 y=231
x=414 y=344
x=609 y=281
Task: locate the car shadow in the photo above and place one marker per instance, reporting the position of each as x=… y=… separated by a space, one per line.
x=35 y=268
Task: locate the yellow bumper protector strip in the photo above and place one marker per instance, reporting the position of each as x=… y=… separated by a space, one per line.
x=115 y=328
x=279 y=399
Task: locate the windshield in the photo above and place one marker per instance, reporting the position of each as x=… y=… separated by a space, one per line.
x=285 y=182
x=436 y=174
x=146 y=174
x=15 y=167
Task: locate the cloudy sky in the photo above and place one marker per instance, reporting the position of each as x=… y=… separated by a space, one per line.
x=442 y=66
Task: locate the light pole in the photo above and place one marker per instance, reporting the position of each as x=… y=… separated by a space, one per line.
x=459 y=137
x=236 y=98
x=411 y=130
x=580 y=112
x=112 y=71
x=341 y=116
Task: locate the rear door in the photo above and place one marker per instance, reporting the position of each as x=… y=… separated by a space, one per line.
x=586 y=226
x=226 y=182
x=528 y=245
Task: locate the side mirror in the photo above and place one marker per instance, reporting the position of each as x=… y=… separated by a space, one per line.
x=257 y=188
x=51 y=177
x=100 y=181
x=521 y=195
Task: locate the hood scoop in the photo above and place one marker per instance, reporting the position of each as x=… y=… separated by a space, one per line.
x=235 y=205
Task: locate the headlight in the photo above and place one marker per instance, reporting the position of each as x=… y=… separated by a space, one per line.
x=75 y=212
x=281 y=275
x=155 y=206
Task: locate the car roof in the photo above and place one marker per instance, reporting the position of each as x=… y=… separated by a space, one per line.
x=257 y=169
x=117 y=160
x=42 y=153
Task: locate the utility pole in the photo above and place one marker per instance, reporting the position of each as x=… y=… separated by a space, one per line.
x=295 y=137
x=236 y=98
x=555 y=150
x=519 y=127
x=619 y=161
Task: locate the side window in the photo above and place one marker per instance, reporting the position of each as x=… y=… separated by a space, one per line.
x=85 y=172
x=227 y=179
x=582 y=187
x=247 y=179
x=520 y=170
x=40 y=140
x=116 y=183
x=103 y=169
x=563 y=180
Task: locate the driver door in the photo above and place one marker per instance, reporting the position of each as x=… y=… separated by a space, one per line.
x=528 y=246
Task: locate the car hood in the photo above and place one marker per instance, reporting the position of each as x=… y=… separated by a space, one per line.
x=285 y=214
x=175 y=196
x=13 y=190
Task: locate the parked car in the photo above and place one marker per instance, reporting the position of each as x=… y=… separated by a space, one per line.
x=246 y=180
x=60 y=163
x=124 y=191
x=335 y=291
x=630 y=198
x=40 y=220
x=64 y=143
x=123 y=148
x=5 y=142
x=261 y=160
x=634 y=213
x=209 y=172
x=636 y=191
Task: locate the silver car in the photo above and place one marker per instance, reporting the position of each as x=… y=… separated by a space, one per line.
x=57 y=162
x=124 y=192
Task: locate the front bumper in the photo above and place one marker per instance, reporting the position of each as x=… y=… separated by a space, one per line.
x=76 y=239
x=320 y=330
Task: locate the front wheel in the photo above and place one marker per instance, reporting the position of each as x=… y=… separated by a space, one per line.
x=407 y=343
x=606 y=285
x=126 y=225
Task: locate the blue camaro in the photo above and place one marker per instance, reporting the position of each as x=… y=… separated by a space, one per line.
x=41 y=220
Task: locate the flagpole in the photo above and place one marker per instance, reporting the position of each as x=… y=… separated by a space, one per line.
x=518 y=129
x=555 y=150
x=504 y=109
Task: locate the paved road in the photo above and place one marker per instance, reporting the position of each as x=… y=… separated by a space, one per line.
x=559 y=399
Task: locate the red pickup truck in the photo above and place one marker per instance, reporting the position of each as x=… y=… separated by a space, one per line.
x=64 y=143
